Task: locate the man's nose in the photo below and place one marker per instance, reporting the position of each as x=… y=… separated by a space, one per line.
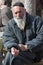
x=18 y=15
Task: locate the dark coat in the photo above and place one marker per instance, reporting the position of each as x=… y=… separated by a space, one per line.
x=32 y=35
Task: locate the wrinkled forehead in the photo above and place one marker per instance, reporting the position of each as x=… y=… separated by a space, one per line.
x=17 y=8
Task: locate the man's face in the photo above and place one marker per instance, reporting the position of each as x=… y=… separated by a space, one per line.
x=19 y=15
x=18 y=11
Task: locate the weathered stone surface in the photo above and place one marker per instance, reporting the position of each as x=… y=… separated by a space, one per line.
x=30 y=6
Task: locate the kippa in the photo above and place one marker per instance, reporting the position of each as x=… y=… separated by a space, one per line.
x=18 y=4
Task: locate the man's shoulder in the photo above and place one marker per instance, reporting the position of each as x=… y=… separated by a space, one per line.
x=10 y=24
x=30 y=17
x=35 y=19
x=33 y=16
x=11 y=21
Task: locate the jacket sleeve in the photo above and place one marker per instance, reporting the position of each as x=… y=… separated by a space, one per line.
x=9 y=38
x=38 y=28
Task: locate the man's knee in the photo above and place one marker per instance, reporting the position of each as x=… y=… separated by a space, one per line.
x=7 y=59
x=17 y=61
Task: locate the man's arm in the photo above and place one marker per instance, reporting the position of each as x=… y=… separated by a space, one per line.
x=39 y=34
x=9 y=38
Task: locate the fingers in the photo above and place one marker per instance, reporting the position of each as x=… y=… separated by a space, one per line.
x=14 y=51
x=23 y=47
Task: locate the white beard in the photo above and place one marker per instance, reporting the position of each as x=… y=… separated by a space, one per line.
x=20 y=22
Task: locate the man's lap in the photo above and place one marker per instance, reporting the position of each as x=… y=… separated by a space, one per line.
x=22 y=57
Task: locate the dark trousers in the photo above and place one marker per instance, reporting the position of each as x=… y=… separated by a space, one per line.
x=23 y=57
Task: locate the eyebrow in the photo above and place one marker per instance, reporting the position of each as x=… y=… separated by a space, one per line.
x=17 y=12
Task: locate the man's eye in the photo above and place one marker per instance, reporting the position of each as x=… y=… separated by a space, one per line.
x=15 y=12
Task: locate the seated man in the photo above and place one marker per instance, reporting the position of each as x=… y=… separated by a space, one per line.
x=22 y=35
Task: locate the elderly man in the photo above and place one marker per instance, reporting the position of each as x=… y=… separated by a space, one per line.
x=22 y=37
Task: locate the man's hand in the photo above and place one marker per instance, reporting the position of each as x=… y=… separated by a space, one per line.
x=14 y=51
x=23 y=47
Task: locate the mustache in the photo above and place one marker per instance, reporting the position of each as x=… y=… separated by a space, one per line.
x=21 y=17
x=20 y=22
x=18 y=18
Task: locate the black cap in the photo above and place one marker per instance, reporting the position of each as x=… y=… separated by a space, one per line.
x=18 y=4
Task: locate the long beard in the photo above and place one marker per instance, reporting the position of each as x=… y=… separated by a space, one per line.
x=21 y=22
